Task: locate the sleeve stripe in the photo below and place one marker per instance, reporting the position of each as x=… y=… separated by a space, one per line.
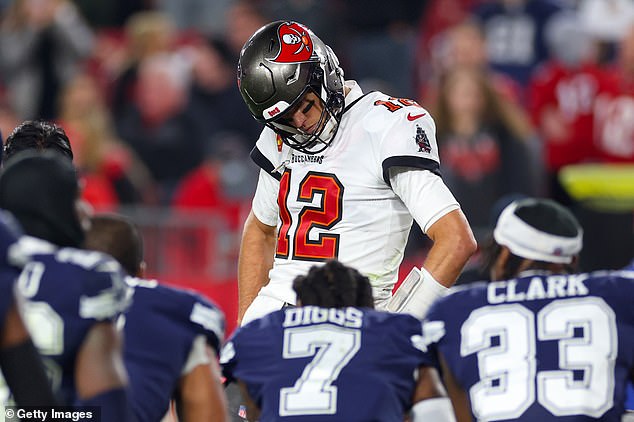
x=210 y=319
x=409 y=161
x=264 y=163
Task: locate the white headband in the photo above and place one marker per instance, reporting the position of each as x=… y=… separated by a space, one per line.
x=527 y=242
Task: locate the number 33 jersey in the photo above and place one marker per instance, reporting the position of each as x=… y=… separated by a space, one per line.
x=319 y=364
x=340 y=203
x=540 y=347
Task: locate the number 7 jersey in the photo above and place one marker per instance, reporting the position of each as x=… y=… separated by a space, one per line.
x=340 y=203
x=540 y=347
x=324 y=364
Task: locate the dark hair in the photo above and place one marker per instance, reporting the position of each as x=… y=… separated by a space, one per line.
x=548 y=216
x=334 y=285
x=119 y=237
x=544 y=215
x=37 y=135
x=40 y=189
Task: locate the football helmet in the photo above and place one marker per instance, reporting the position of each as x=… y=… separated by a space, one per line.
x=278 y=65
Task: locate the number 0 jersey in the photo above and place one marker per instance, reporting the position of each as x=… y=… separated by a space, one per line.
x=318 y=364
x=65 y=292
x=540 y=347
x=160 y=327
x=341 y=203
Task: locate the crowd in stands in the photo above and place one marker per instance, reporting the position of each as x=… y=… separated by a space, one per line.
x=146 y=89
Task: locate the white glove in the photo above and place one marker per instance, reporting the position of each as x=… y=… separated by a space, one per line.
x=416 y=294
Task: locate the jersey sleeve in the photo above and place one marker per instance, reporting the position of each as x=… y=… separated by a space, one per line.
x=105 y=293
x=434 y=330
x=10 y=232
x=424 y=194
x=264 y=203
x=409 y=141
x=209 y=320
x=248 y=354
x=410 y=338
x=269 y=153
x=626 y=293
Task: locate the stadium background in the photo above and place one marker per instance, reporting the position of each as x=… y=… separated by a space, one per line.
x=146 y=91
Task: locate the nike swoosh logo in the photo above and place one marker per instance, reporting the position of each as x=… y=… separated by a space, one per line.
x=412 y=118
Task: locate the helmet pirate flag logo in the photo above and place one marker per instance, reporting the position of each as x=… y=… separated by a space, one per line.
x=295 y=43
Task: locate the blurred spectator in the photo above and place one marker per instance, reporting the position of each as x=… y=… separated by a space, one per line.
x=215 y=99
x=614 y=111
x=437 y=18
x=562 y=97
x=159 y=124
x=244 y=17
x=486 y=144
x=222 y=186
x=224 y=181
x=514 y=32
x=43 y=43
x=464 y=45
x=8 y=119
x=113 y=176
x=108 y=60
x=378 y=43
x=203 y=16
x=321 y=16
x=109 y=13
x=606 y=21
x=147 y=33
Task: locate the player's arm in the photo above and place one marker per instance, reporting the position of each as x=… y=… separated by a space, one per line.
x=459 y=398
x=21 y=364
x=257 y=251
x=440 y=217
x=201 y=395
x=100 y=376
x=453 y=246
x=430 y=400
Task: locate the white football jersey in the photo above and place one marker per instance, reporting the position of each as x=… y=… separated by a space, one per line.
x=340 y=203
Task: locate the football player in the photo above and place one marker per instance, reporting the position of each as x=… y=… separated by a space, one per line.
x=172 y=336
x=71 y=296
x=37 y=135
x=19 y=359
x=539 y=342
x=334 y=358
x=343 y=175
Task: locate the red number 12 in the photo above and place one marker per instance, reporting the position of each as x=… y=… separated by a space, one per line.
x=325 y=216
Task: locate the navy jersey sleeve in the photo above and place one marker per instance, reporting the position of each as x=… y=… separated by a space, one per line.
x=159 y=329
x=251 y=350
x=9 y=234
x=103 y=294
x=208 y=320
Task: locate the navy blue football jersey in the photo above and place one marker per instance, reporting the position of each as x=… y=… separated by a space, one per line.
x=629 y=401
x=9 y=234
x=540 y=347
x=318 y=364
x=65 y=292
x=159 y=328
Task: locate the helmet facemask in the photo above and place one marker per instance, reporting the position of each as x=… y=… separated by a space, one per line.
x=279 y=66
x=308 y=143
